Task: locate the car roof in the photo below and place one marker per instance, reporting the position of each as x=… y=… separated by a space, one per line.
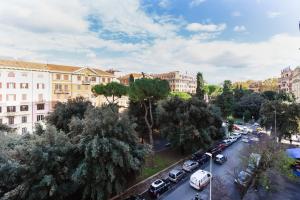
x=188 y=162
x=219 y=156
x=174 y=171
x=199 y=174
x=157 y=183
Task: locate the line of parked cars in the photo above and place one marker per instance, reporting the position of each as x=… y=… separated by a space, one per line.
x=198 y=179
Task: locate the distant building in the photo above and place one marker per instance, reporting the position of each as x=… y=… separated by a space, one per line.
x=255 y=86
x=29 y=91
x=179 y=82
x=125 y=79
x=285 y=80
x=296 y=83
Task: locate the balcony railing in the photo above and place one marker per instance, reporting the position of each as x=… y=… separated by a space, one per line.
x=58 y=91
x=86 y=82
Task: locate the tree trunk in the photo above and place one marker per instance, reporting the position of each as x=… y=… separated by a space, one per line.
x=149 y=126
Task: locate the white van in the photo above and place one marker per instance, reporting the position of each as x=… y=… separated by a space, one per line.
x=200 y=179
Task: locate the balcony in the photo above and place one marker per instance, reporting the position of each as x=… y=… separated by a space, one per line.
x=58 y=91
x=86 y=82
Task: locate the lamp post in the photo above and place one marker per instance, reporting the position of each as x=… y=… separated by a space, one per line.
x=210 y=155
x=275 y=125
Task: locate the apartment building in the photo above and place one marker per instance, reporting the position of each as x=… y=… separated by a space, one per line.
x=179 y=82
x=285 y=80
x=125 y=79
x=296 y=83
x=256 y=86
x=29 y=91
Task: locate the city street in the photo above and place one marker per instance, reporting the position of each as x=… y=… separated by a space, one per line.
x=186 y=192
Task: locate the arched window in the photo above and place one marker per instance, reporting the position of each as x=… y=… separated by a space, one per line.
x=11 y=74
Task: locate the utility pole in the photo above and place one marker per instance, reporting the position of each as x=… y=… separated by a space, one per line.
x=275 y=125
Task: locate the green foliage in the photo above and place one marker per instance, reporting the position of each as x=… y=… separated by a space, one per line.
x=112 y=89
x=230 y=124
x=225 y=101
x=200 y=91
x=181 y=95
x=248 y=105
x=188 y=125
x=131 y=79
x=64 y=112
x=93 y=161
x=287 y=117
x=283 y=164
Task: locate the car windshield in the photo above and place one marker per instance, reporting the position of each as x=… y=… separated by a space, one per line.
x=243 y=176
x=172 y=175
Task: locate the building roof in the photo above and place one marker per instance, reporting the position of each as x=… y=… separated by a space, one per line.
x=135 y=76
x=47 y=67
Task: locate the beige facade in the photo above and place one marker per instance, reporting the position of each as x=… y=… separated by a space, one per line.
x=179 y=82
x=125 y=79
x=296 y=83
x=285 y=80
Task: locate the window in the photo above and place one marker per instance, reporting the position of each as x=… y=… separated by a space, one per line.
x=24 y=130
x=10 y=97
x=24 y=74
x=78 y=78
x=24 y=97
x=24 y=108
x=86 y=87
x=58 y=86
x=24 y=119
x=43 y=86
x=78 y=87
x=66 y=77
x=11 y=74
x=93 y=79
x=108 y=79
x=0 y=97
x=11 y=85
x=1 y=122
x=39 y=117
x=11 y=108
x=40 y=97
x=0 y=85
x=86 y=78
x=57 y=76
x=11 y=120
x=0 y=109
x=24 y=85
x=40 y=106
x=103 y=80
x=66 y=87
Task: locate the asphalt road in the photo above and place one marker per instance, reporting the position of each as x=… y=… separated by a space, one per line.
x=185 y=192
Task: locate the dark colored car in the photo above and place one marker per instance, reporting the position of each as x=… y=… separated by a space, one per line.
x=201 y=158
x=243 y=179
x=158 y=187
x=215 y=150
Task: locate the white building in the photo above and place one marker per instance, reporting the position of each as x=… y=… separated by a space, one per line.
x=24 y=97
x=296 y=83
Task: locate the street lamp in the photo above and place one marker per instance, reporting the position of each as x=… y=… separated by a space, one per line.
x=210 y=155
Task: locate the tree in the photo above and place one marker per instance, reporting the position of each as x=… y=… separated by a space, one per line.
x=248 y=104
x=269 y=95
x=113 y=89
x=200 y=86
x=131 y=79
x=63 y=112
x=181 y=95
x=188 y=124
x=225 y=101
x=212 y=91
x=287 y=117
x=146 y=92
x=110 y=153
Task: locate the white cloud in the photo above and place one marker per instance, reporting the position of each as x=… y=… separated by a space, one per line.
x=273 y=14
x=164 y=3
x=197 y=27
x=241 y=28
x=194 y=3
x=236 y=14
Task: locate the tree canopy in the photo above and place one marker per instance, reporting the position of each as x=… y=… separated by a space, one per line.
x=181 y=95
x=200 y=91
x=112 y=89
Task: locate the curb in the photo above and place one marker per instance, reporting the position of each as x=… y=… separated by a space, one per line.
x=147 y=179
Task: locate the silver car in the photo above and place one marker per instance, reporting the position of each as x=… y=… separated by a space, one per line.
x=190 y=165
x=176 y=175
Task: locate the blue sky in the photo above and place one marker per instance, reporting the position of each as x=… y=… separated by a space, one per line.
x=224 y=39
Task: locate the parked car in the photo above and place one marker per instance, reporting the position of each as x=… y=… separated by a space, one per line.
x=158 y=187
x=232 y=139
x=176 y=175
x=200 y=179
x=201 y=158
x=237 y=135
x=215 y=151
x=245 y=140
x=135 y=197
x=190 y=165
x=227 y=142
x=220 y=159
x=243 y=179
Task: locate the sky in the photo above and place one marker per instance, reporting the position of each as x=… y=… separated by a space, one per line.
x=223 y=39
